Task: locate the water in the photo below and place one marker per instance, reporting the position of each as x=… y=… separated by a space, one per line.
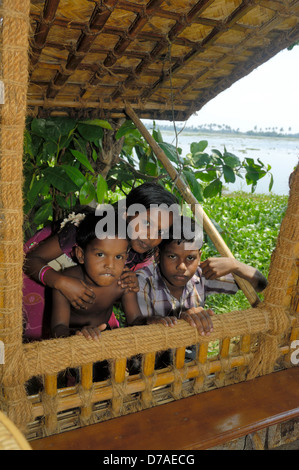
x=281 y=153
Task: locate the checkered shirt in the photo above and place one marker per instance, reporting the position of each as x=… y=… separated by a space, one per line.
x=154 y=297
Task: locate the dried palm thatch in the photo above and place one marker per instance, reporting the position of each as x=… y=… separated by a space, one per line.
x=166 y=58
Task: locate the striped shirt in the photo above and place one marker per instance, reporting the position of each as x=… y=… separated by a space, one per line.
x=154 y=297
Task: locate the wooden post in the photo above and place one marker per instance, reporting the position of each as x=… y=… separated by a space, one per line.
x=198 y=211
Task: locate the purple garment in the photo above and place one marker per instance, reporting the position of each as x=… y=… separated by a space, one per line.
x=34 y=294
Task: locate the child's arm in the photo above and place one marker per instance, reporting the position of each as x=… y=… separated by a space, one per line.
x=134 y=316
x=131 y=309
x=75 y=290
x=214 y=268
x=60 y=317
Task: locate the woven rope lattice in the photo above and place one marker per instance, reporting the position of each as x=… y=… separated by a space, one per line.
x=14 y=76
x=272 y=319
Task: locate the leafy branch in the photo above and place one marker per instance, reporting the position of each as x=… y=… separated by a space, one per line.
x=63 y=160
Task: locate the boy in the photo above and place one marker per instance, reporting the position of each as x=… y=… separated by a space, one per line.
x=101 y=263
x=176 y=287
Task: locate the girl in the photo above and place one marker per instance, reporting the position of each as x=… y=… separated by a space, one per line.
x=46 y=246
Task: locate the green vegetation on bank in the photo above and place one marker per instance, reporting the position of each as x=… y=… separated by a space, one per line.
x=249 y=225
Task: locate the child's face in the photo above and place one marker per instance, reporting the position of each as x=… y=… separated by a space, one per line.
x=146 y=229
x=103 y=260
x=178 y=264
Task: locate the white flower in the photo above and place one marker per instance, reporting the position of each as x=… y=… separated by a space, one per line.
x=73 y=219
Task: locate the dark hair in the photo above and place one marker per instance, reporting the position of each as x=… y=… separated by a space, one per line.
x=150 y=193
x=184 y=229
x=87 y=230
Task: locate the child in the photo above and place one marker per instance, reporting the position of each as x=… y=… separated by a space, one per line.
x=40 y=251
x=101 y=263
x=176 y=287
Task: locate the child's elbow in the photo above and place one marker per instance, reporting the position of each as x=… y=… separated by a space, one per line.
x=261 y=283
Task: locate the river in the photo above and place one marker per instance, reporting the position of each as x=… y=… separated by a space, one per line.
x=281 y=153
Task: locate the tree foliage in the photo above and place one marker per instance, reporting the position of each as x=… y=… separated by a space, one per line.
x=63 y=158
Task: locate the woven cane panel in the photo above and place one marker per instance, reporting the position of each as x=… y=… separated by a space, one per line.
x=159 y=56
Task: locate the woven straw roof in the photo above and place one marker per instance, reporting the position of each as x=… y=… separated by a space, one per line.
x=166 y=58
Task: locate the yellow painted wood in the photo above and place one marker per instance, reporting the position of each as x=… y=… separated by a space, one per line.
x=51 y=393
x=86 y=376
x=148 y=371
x=51 y=385
x=104 y=392
x=179 y=362
x=149 y=363
x=202 y=359
x=118 y=377
x=87 y=383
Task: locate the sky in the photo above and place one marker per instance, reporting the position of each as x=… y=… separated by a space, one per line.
x=267 y=97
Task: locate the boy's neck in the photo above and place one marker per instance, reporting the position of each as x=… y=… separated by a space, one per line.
x=175 y=291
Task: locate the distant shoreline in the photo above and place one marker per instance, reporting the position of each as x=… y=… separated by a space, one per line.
x=227 y=132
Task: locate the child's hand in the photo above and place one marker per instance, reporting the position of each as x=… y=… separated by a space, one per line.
x=212 y=268
x=200 y=319
x=128 y=281
x=166 y=321
x=92 y=332
x=76 y=291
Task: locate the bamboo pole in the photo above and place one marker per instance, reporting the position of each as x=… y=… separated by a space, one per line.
x=198 y=211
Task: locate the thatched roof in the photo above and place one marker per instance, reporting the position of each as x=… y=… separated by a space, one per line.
x=166 y=58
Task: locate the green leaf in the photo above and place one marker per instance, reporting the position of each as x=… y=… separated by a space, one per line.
x=125 y=129
x=213 y=189
x=91 y=133
x=75 y=175
x=169 y=150
x=142 y=163
x=39 y=187
x=94 y=155
x=229 y=174
x=87 y=193
x=201 y=160
x=198 y=147
x=49 y=149
x=102 y=189
x=194 y=185
x=57 y=177
x=65 y=125
x=47 y=129
x=206 y=177
x=63 y=202
x=271 y=182
x=43 y=214
x=98 y=122
x=157 y=135
x=252 y=175
x=231 y=160
x=82 y=159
